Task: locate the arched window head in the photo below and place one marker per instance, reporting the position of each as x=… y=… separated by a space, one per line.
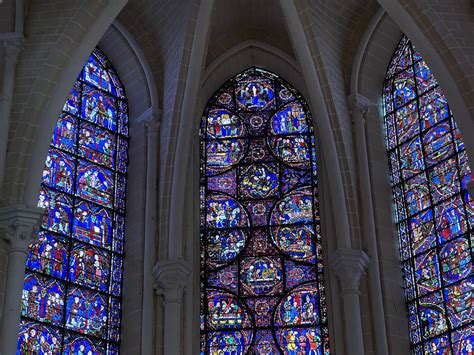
x=73 y=282
x=434 y=213
x=262 y=287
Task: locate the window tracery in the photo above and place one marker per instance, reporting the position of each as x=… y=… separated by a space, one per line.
x=434 y=213
x=262 y=287
x=73 y=283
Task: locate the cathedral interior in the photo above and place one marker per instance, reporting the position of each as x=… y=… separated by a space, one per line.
x=236 y=177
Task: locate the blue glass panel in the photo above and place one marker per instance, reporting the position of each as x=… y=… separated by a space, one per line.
x=77 y=344
x=120 y=190
x=119 y=230
x=114 y=322
x=299 y=307
x=48 y=255
x=456 y=260
x=123 y=118
x=222 y=123
x=95 y=183
x=122 y=156
x=92 y=224
x=255 y=95
x=35 y=338
x=89 y=267
x=96 y=145
x=225 y=212
x=261 y=276
x=42 y=299
x=59 y=171
x=58 y=215
x=292 y=150
x=258 y=181
x=95 y=74
x=424 y=79
x=224 y=246
x=64 y=136
x=86 y=312
x=223 y=154
x=99 y=108
x=116 y=279
x=406 y=121
x=289 y=119
x=73 y=100
x=404 y=87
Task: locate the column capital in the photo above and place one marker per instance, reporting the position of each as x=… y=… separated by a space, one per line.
x=151 y=119
x=359 y=106
x=12 y=44
x=20 y=224
x=171 y=277
x=349 y=265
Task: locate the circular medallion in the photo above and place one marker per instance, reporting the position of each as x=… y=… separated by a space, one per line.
x=300 y=307
x=259 y=209
x=225 y=212
x=224 y=99
x=223 y=154
x=255 y=95
x=261 y=276
x=225 y=311
x=258 y=153
x=292 y=228
x=256 y=121
x=222 y=123
x=224 y=246
x=292 y=150
x=235 y=342
x=289 y=119
x=286 y=94
x=258 y=180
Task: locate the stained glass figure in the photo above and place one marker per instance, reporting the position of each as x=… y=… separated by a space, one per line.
x=262 y=288
x=429 y=173
x=73 y=281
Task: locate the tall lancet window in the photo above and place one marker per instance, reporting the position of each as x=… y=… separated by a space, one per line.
x=433 y=210
x=262 y=287
x=73 y=283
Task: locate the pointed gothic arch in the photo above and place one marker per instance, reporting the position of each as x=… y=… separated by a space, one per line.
x=73 y=286
x=429 y=172
x=261 y=260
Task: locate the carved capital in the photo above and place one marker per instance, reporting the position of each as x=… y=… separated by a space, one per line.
x=171 y=277
x=12 y=45
x=20 y=225
x=349 y=265
x=359 y=106
x=151 y=119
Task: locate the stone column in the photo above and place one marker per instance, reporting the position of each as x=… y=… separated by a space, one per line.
x=20 y=225
x=360 y=106
x=171 y=277
x=151 y=120
x=349 y=266
x=11 y=51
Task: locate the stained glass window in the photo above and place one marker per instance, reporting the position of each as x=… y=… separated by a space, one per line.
x=262 y=287
x=73 y=283
x=434 y=213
